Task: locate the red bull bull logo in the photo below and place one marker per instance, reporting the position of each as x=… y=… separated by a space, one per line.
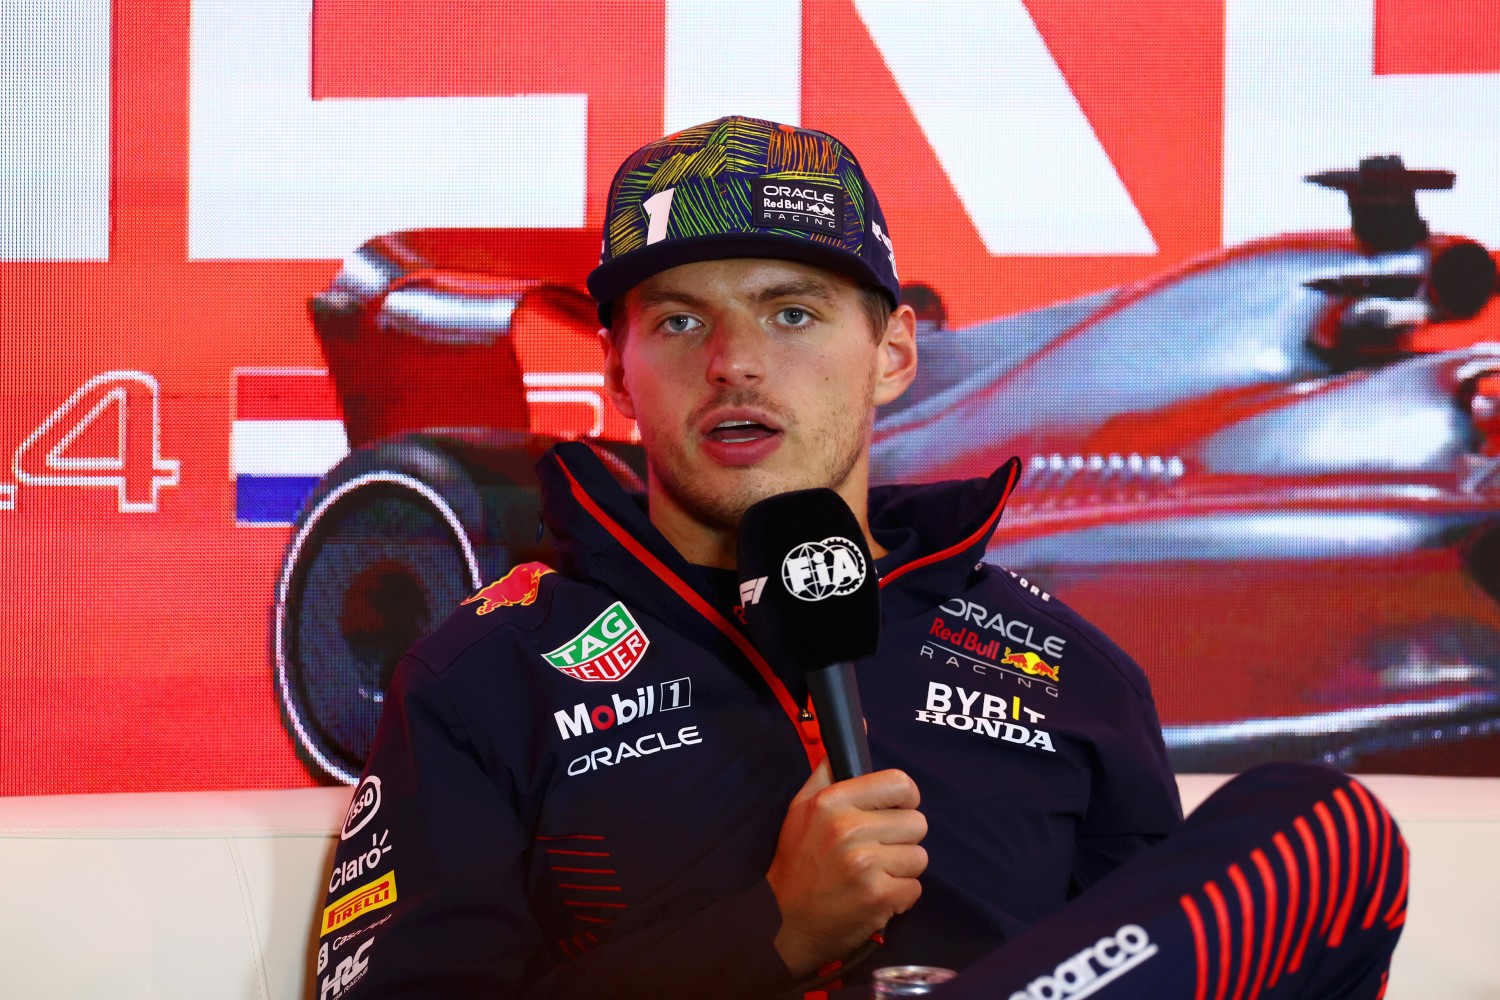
x=1029 y=663
x=517 y=588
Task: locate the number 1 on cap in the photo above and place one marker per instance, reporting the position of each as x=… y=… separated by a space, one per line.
x=658 y=209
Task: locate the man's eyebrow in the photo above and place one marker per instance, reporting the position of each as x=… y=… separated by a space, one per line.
x=663 y=294
x=799 y=288
x=802 y=288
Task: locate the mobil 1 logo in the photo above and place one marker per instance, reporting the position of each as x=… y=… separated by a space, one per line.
x=647 y=700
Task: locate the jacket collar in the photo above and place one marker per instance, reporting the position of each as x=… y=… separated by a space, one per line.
x=936 y=533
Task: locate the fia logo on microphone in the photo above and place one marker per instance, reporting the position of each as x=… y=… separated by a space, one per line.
x=833 y=567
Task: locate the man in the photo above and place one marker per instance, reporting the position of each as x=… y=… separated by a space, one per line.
x=592 y=784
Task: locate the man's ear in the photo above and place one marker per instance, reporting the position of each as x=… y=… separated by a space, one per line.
x=614 y=373
x=897 y=361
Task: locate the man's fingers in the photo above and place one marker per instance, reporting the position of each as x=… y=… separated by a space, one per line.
x=821 y=778
x=904 y=894
x=898 y=826
x=905 y=861
x=890 y=789
x=847 y=861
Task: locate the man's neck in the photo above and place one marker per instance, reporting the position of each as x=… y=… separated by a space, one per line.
x=705 y=544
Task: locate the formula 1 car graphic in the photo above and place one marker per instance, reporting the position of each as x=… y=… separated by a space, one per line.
x=1271 y=474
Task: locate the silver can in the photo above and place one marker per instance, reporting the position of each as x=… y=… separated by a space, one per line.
x=909 y=980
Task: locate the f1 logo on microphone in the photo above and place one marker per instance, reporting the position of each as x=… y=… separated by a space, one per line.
x=750 y=591
x=833 y=567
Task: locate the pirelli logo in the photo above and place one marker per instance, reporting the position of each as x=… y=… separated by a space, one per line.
x=351 y=906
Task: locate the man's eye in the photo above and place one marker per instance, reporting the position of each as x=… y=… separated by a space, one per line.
x=793 y=316
x=680 y=324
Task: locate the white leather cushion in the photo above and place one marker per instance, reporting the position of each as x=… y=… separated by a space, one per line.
x=163 y=895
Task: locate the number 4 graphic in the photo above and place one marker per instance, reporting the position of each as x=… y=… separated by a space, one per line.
x=132 y=463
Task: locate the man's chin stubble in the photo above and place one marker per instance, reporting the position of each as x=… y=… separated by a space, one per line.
x=723 y=510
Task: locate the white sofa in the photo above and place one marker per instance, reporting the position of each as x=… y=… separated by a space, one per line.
x=212 y=894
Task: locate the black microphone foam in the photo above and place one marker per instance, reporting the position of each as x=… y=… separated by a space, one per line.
x=811 y=601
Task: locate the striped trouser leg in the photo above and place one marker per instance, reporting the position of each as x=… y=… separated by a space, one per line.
x=1289 y=881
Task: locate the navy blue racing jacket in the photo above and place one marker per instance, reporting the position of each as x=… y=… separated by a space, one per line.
x=578 y=781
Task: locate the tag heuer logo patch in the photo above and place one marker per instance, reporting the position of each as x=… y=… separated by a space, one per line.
x=605 y=651
x=794 y=204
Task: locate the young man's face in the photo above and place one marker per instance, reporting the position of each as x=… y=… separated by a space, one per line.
x=749 y=378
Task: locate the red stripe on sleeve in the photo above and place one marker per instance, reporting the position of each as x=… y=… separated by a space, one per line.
x=1268 y=884
x=1385 y=861
x=594 y=888
x=1247 y=929
x=1293 y=892
x=1221 y=914
x=1352 y=822
x=1200 y=946
x=810 y=746
x=1371 y=824
x=1326 y=819
x=1399 y=903
x=1314 y=879
x=578 y=854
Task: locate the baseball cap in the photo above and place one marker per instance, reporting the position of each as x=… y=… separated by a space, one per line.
x=741 y=187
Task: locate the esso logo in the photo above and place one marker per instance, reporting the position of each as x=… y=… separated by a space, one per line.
x=363 y=807
x=833 y=567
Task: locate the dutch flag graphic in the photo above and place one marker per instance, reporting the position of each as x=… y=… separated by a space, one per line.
x=288 y=432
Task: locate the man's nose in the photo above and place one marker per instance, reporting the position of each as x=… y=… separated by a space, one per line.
x=736 y=352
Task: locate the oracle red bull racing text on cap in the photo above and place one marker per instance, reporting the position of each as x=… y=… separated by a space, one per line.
x=741 y=187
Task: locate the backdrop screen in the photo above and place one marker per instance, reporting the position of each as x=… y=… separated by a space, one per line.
x=292 y=299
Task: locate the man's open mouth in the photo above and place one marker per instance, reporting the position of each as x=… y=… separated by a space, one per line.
x=739 y=431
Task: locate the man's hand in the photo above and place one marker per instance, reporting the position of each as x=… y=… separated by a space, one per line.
x=846 y=862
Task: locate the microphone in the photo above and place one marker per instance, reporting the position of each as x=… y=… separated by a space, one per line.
x=811 y=601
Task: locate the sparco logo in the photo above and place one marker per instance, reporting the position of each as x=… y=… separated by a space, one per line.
x=833 y=567
x=1093 y=968
x=362 y=808
x=648 y=700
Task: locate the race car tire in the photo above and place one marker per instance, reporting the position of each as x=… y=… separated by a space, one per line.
x=391 y=541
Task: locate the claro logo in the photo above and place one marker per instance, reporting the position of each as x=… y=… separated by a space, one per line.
x=1093 y=968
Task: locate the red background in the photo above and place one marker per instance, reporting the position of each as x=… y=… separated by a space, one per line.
x=136 y=652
